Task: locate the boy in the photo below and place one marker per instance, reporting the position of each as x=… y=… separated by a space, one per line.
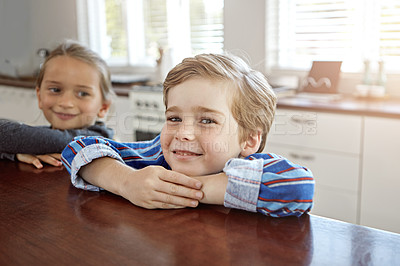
x=218 y=114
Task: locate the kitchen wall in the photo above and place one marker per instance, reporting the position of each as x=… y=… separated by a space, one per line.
x=26 y=26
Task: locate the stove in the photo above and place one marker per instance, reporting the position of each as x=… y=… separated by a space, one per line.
x=148 y=111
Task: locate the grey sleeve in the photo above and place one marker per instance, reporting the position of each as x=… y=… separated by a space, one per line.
x=7 y=156
x=21 y=138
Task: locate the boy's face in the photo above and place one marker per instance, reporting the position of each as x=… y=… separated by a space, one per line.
x=70 y=95
x=200 y=134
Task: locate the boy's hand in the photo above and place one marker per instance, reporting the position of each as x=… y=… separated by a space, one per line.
x=156 y=187
x=151 y=187
x=52 y=159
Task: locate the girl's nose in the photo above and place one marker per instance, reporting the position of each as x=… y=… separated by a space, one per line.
x=66 y=100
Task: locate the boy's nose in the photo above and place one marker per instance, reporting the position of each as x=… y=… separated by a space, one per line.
x=185 y=132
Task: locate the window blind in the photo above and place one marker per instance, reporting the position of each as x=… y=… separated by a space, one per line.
x=389 y=46
x=132 y=31
x=302 y=31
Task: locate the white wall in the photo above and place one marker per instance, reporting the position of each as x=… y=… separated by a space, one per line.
x=15 y=36
x=26 y=26
x=244 y=30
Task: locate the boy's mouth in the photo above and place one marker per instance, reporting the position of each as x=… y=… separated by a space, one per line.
x=183 y=153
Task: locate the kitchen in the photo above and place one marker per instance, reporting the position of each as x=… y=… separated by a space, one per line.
x=337 y=139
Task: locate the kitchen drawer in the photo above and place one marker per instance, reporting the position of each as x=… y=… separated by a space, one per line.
x=317 y=130
x=334 y=170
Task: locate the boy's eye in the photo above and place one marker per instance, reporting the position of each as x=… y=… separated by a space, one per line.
x=83 y=94
x=174 y=119
x=207 y=121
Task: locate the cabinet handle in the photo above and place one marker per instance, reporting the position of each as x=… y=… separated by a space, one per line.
x=302 y=157
x=301 y=120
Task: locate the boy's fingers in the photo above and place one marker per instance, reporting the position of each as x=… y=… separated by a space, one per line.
x=168 y=201
x=180 y=191
x=181 y=179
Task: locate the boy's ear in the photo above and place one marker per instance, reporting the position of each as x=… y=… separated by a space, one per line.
x=38 y=97
x=104 y=109
x=252 y=143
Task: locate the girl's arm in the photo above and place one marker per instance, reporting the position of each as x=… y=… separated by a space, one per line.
x=19 y=138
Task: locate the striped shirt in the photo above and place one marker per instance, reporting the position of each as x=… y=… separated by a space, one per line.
x=262 y=182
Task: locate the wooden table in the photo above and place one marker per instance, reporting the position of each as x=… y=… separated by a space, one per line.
x=46 y=221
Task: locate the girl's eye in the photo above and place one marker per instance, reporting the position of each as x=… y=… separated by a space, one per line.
x=207 y=121
x=54 y=89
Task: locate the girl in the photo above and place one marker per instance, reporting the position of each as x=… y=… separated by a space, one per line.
x=73 y=90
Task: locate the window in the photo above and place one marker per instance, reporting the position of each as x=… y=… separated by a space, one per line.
x=348 y=30
x=132 y=32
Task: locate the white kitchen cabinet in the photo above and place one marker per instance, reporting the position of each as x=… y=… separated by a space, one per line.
x=20 y=104
x=329 y=145
x=380 y=190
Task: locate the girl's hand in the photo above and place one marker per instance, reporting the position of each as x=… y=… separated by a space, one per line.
x=52 y=159
x=156 y=187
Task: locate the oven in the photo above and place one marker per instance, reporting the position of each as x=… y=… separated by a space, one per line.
x=148 y=111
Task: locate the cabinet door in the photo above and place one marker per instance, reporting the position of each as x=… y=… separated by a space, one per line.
x=336 y=180
x=380 y=192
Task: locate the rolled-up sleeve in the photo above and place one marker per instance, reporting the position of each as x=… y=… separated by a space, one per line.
x=244 y=178
x=269 y=184
x=81 y=152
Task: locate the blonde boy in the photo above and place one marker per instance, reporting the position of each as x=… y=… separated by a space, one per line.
x=218 y=114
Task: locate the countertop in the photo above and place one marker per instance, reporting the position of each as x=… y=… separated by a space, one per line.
x=44 y=220
x=386 y=107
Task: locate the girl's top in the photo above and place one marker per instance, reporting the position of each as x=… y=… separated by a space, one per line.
x=16 y=137
x=266 y=183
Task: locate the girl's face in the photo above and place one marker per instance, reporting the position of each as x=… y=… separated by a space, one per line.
x=200 y=134
x=70 y=94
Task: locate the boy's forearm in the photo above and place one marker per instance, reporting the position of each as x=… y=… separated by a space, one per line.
x=214 y=187
x=99 y=171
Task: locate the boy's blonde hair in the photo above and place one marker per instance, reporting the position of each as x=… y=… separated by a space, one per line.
x=75 y=50
x=253 y=103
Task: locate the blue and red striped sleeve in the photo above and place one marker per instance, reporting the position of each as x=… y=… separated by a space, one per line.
x=83 y=150
x=269 y=184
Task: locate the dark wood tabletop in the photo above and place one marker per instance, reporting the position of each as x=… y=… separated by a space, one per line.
x=46 y=221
